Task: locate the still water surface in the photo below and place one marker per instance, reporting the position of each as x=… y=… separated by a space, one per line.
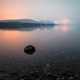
x=60 y=43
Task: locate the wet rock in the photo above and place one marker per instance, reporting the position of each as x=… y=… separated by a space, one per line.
x=29 y=49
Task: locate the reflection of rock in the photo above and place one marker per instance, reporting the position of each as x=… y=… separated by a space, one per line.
x=29 y=49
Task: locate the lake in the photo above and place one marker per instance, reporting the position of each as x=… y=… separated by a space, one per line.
x=54 y=44
x=59 y=42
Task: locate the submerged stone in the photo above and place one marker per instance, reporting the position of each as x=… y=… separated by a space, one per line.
x=29 y=49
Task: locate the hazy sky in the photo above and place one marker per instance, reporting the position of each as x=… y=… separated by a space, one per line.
x=43 y=9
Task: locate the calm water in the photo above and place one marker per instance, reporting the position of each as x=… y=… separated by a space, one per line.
x=60 y=43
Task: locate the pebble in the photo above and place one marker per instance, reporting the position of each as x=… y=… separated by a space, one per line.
x=36 y=74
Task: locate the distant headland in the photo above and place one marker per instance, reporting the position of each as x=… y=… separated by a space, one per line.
x=19 y=23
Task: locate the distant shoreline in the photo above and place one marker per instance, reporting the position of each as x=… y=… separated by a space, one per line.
x=23 y=23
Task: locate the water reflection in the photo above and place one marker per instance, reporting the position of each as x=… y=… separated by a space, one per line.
x=13 y=41
x=65 y=27
x=31 y=28
x=51 y=42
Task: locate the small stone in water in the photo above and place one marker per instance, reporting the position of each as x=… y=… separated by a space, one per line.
x=29 y=49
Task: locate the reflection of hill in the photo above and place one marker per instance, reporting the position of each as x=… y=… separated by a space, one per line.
x=24 y=24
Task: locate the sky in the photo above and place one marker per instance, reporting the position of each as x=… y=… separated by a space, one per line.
x=39 y=9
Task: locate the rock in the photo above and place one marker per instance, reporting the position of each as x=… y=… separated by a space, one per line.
x=29 y=49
